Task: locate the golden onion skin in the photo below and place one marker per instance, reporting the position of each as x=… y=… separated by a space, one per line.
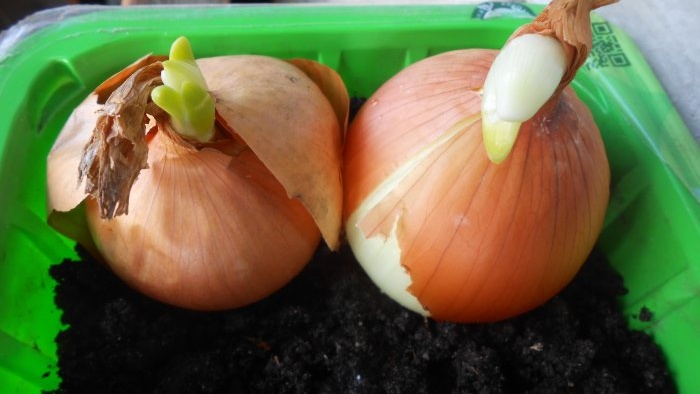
x=480 y=241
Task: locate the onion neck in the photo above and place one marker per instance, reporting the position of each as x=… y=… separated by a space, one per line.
x=184 y=94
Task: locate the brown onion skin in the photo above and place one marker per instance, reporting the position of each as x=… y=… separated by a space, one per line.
x=180 y=260
x=481 y=241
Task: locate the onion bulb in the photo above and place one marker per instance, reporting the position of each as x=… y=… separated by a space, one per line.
x=476 y=182
x=204 y=184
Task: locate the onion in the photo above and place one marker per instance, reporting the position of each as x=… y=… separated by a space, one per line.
x=474 y=189
x=196 y=212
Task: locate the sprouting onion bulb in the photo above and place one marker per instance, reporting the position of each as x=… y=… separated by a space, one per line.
x=476 y=182
x=204 y=184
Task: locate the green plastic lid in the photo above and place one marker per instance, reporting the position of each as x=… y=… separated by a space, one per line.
x=51 y=61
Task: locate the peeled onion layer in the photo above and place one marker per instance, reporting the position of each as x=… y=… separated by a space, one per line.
x=224 y=224
x=291 y=125
x=476 y=241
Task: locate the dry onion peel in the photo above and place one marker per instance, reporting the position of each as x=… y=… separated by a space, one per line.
x=445 y=230
x=203 y=222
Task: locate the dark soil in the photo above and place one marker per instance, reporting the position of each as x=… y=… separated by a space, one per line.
x=332 y=331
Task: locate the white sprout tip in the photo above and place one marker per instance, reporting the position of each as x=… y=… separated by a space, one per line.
x=522 y=78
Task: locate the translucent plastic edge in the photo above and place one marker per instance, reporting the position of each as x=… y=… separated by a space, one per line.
x=15 y=34
x=666 y=134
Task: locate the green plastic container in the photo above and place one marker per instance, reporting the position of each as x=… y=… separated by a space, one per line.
x=50 y=62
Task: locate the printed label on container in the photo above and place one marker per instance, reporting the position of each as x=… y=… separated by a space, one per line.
x=497 y=9
x=606 y=50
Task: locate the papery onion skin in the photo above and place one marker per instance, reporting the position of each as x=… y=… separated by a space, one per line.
x=227 y=237
x=217 y=225
x=480 y=241
x=262 y=101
